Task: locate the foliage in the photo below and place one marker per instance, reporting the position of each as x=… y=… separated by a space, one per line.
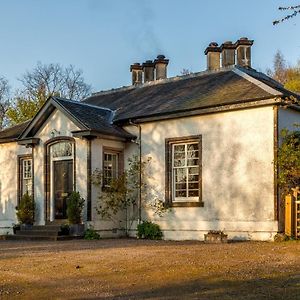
x=43 y=82
x=91 y=234
x=287 y=75
x=25 y=211
x=123 y=193
x=4 y=101
x=75 y=204
x=295 y=9
x=149 y=230
x=289 y=160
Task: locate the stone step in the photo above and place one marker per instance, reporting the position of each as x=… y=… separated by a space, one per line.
x=46 y=227
x=38 y=232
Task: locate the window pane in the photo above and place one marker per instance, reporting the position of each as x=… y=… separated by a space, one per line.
x=62 y=149
x=110 y=168
x=180 y=175
x=179 y=148
x=180 y=194
x=193 y=186
x=192 y=162
x=192 y=147
x=193 y=193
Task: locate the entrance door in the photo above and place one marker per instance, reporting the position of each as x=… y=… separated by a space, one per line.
x=62 y=186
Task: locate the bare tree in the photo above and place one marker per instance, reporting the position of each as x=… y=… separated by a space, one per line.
x=279 y=71
x=43 y=82
x=4 y=101
x=53 y=79
x=294 y=11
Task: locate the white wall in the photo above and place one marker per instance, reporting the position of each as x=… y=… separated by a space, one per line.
x=237 y=174
x=9 y=184
x=63 y=127
x=104 y=226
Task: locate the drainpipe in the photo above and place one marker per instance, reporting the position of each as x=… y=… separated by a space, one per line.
x=140 y=169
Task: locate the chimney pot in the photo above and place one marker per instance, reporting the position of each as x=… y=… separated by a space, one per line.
x=228 y=53
x=243 y=52
x=148 y=69
x=213 y=56
x=137 y=73
x=161 y=64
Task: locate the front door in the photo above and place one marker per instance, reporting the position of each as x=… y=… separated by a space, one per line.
x=62 y=186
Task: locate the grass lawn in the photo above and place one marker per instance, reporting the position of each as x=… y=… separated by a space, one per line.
x=136 y=269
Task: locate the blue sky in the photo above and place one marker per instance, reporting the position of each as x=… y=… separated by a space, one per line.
x=103 y=37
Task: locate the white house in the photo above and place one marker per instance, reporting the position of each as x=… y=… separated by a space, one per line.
x=212 y=136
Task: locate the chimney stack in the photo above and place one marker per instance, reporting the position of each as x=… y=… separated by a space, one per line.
x=228 y=54
x=243 y=52
x=212 y=53
x=161 y=64
x=148 y=69
x=137 y=73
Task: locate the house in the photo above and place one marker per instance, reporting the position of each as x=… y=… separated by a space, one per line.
x=212 y=137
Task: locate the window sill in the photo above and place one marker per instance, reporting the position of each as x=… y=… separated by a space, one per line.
x=186 y=204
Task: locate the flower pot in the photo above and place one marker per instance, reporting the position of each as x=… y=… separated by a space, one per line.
x=76 y=230
x=26 y=226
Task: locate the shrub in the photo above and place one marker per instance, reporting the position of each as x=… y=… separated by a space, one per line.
x=75 y=205
x=149 y=230
x=91 y=234
x=25 y=211
x=65 y=229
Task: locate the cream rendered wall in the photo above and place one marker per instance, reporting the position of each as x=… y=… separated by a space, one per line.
x=237 y=174
x=106 y=228
x=9 y=184
x=63 y=127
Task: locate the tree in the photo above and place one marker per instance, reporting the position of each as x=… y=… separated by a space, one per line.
x=43 y=82
x=288 y=76
x=294 y=9
x=4 y=100
x=279 y=68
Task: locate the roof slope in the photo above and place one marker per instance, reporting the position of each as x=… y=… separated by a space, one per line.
x=93 y=118
x=11 y=134
x=186 y=93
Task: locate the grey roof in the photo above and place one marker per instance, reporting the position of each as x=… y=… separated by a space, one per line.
x=93 y=118
x=187 y=93
x=164 y=98
x=11 y=134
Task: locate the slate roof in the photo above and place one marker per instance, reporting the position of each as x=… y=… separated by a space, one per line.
x=102 y=111
x=186 y=93
x=93 y=118
x=11 y=134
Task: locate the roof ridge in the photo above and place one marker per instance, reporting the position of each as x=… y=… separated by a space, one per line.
x=162 y=81
x=84 y=103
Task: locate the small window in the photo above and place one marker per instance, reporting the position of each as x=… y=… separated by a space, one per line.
x=110 y=168
x=183 y=171
x=25 y=184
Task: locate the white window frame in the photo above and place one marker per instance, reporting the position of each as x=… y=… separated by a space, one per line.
x=186 y=167
x=27 y=176
x=117 y=166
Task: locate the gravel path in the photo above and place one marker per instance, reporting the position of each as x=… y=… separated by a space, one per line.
x=136 y=269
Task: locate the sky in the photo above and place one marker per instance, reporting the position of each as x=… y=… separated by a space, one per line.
x=103 y=37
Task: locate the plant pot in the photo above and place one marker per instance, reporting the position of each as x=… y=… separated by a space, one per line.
x=26 y=226
x=215 y=238
x=16 y=228
x=76 y=230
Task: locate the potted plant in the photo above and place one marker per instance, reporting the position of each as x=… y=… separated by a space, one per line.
x=25 y=211
x=215 y=237
x=75 y=205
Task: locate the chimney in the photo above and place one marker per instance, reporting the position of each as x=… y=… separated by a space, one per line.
x=137 y=73
x=148 y=69
x=243 y=52
x=212 y=53
x=228 y=54
x=160 y=64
